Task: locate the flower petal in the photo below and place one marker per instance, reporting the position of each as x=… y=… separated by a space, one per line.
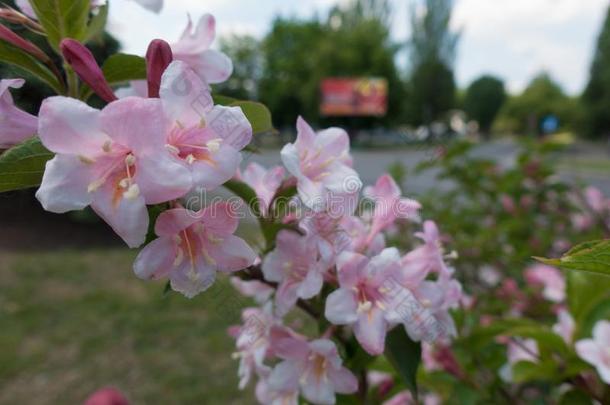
x=221 y=168
x=185 y=97
x=370 y=330
x=156 y=260
x=232 y=254
x=341 y=307
x=231 y=125
x=343 y=380
x=70 y=126
x=64 y=185
x=138 y=123
x=128 y=217
x=161 y=178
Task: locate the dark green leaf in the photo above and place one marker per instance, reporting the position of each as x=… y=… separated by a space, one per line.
x=16 y=57
x=23 y=165
x=123 y=68
x=62 y=19
x=404 y=355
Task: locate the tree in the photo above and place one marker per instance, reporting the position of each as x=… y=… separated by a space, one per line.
x=432 y=54
x=298 y=54
x=484 y=99
x=244 y=51
x=542 y=97
x=596 y=97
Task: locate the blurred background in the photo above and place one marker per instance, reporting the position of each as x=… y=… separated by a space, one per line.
x=496 y=115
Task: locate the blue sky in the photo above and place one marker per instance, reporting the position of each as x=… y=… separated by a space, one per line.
x=514 y=39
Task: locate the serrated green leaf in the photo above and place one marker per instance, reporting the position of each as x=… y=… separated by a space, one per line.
x=16 y=57
x=62 y=19
x=591 y=257
x=404 y=355
x=23 y=165
x=97 y=23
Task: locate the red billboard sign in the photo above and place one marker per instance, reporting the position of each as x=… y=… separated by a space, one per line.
x=354 y=97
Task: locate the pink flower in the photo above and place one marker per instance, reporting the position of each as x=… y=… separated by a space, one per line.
x=315 y=367
x=193 y=48
x=205 y=138
x=363 y=298
x=550 y=279
x=253 y=342
x=258 y=290
x=114 y=160
x=264 y=182
x=294 y=264
x=16 y=125
x=107 y=396
x=268 y=396
x=389 y=205
x=359 y=233
x=428 y=258
x=192 y=247
x=595 y=200
x=565 y=326
x=322 y=166
x=596 y=351
x=328 y=235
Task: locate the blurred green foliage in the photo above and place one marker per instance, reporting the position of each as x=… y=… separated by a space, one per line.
x=484 y=99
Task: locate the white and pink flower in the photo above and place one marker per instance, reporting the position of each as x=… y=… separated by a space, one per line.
x=114 y=160
x=205 y=138
x=596 y=351
x=264 y=182
x=192 y=247
x=550 y=279
x=294 y=264
x=322 y=165
x=313 y=367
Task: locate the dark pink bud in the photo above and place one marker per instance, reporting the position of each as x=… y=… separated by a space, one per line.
x=82 y=61
x=14 y=39
x=158 y=58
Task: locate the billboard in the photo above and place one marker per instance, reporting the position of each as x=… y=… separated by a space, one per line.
x=342 y=97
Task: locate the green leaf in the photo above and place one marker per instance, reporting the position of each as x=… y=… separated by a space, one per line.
x=524 y=371
x=246 y=193
x=586 y=291
x=591 y=257
x=258 y=115
x=62 y=19
x=404 y=355
x=123 y=68
x=16 y=57
x=23 y=165
x=97 y=23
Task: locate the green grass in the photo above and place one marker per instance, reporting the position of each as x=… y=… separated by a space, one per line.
x=72 y=322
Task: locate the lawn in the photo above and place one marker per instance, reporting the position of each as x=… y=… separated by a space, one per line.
x=74 y=321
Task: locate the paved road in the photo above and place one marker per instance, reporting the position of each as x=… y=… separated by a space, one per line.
x=371 y=164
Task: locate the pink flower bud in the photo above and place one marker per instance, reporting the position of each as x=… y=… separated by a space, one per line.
x=82 y=61
x=14 y=39
x=158 y=58
x=107 y=396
